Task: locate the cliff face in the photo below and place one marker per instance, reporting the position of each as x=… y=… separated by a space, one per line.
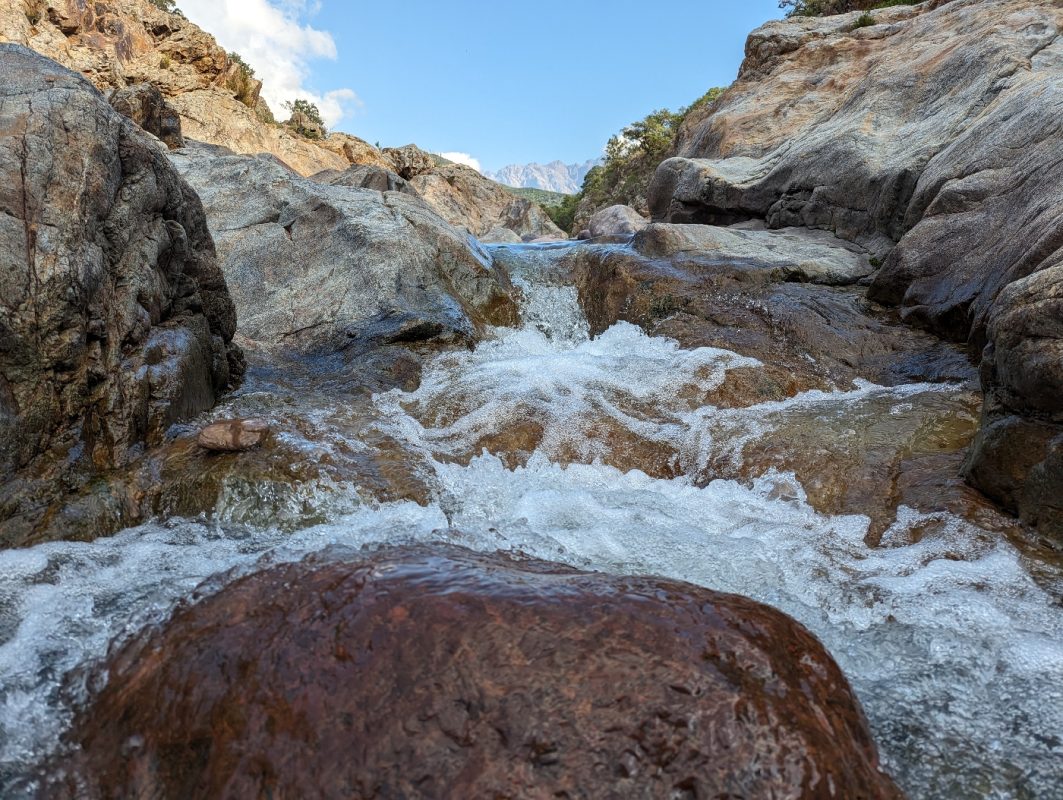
x=122 y=42
x=932 y=137
x=115 y=319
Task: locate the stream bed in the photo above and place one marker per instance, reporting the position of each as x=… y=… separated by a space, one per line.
x=600 y=453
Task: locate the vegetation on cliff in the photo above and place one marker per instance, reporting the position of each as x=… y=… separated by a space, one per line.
x=631 y=158
x=823 y=8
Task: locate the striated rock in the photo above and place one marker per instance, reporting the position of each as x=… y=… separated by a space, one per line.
x=233 y=435
x=1018 y=456
x=616 y=221
x=115 y=320
x=438 y=672
x=795 y=254
x=144 y=104
x=315 y=266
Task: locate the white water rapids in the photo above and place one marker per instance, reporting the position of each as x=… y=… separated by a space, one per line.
x=955 y=650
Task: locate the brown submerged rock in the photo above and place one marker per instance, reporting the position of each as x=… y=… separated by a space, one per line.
x=233 y=435
x=438 y=672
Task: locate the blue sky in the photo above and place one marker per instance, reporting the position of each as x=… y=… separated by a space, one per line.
x=503 y=82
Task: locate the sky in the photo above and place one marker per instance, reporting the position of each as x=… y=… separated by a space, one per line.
x=489 y=83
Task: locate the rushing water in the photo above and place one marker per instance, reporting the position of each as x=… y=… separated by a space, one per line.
x=954 y=649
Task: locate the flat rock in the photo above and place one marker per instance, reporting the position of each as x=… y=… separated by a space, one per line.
x=796 y=254
x=439 y=672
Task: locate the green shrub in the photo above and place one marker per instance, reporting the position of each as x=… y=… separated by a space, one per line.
x=165 y=5
x=306 y=119
x=632 y=157
x=865 y=20
x=242 y=82
x=563 y=214
x=164 y=62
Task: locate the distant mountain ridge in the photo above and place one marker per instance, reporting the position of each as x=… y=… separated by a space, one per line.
x=553 y=177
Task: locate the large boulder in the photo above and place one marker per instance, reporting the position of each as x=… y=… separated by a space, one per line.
x=437 y=672
x=144 y=104
x=366 y=176
x=115 y=320
x=1018 y=456
x=315 y=266
x=616 y=221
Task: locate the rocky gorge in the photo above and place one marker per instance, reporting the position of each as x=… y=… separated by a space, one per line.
x=315 y=474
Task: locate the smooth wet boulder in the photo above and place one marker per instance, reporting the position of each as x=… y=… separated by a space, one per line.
x=144 y=104
x=233 y=435
x=438 y=672
x=750 y=292
x=616 y=221
x=115 y=320
x=322 y=267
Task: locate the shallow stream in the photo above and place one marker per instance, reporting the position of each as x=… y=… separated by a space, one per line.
x=952 y=637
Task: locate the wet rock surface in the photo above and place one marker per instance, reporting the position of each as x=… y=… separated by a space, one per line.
x=321 y=267
x=437 y=672
x=806 y=336
x=115 y=321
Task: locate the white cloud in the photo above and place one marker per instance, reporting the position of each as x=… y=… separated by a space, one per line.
x=462 y=158
x=271 y=38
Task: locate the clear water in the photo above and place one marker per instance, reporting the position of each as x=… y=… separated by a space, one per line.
x=954 y=649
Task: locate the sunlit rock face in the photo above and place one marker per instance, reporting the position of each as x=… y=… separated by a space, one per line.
x=931 y=137
x=430 y=672
x=115 y=320
x=124 y=42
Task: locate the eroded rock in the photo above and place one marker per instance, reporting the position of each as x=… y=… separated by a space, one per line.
x=115 y=320
x=432 y=672
x=144 y=104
